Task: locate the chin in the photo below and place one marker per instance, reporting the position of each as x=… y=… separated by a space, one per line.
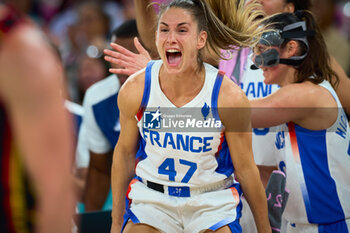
x=173 y=69
x=267 y=81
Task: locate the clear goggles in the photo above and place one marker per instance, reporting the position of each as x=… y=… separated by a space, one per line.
x=271 y=57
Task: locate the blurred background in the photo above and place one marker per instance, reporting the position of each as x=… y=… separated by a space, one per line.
x=80 y=29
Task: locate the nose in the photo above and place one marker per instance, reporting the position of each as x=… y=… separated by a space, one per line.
x=171 y=37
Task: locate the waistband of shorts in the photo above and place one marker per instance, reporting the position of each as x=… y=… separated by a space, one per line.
x=186 y=191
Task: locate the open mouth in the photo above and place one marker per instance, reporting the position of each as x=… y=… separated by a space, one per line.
x=173 y=57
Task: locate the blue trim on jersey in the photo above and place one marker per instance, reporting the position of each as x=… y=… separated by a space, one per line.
x=234 y=226
x=77 y=122
x=132 y=216
x=215 y=95
x=129 y=215
x=220 y=224
x=141 y=154
x=147 y=90
x=223 y=156
x=106 y=114
x=324 y=205
x=240 y=205
x=224 y=160
x=339 y=227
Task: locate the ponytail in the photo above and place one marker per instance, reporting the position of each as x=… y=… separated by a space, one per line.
x=317 y=62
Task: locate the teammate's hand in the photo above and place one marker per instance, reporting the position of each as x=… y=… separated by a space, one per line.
x=128 y=61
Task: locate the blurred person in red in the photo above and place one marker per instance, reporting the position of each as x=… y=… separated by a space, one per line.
x=36 y=191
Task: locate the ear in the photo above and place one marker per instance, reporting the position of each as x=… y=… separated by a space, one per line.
x=289 y=8
x=202 y=39
x=292 y=48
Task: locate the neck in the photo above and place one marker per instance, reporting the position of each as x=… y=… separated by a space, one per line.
x=289 y=77
x=186 y=80
x=182 y=87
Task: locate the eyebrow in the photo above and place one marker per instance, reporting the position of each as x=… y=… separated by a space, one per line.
x=179 y=25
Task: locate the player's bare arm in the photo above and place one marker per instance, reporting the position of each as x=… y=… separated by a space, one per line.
x=146 y=20
x=343 y=86
x=98 y=180
x=129 y=101
x=295 y=102
x=234 y=112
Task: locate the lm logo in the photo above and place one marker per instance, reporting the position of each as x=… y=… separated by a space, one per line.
x=280 y=141
x=152 y=120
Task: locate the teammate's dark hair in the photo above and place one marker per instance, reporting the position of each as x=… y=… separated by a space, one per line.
x=128 y=29
x=300 y=4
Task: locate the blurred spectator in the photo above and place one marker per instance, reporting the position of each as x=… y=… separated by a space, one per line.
x=90 y=71
x=91 y=28
x=100 y=128
x=337 y=43
x=67 y=17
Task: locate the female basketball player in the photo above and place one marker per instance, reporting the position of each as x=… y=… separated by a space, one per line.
x=313 y=146
x=184 y=176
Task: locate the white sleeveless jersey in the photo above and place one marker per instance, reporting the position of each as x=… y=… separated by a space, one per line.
x=252 y=83
x=186 y=145
x=317 y=167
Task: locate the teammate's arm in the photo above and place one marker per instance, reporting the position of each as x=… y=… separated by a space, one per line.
x=295 y=102
x=129 y=101
x=234 y=112
x=146 y=20
x=343 y=86
x=31 y=89
x=98 y=180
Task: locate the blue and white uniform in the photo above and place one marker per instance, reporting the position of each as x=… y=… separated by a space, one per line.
x=252 y=83
x=317 y=167
x=102 y=115
x=100 y=126
x=190 y=164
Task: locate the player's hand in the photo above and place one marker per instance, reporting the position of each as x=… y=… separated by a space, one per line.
x=129 y=61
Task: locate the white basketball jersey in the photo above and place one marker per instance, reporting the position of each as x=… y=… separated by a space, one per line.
x=252 y=83
x=317 y=165
x=186 y=145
